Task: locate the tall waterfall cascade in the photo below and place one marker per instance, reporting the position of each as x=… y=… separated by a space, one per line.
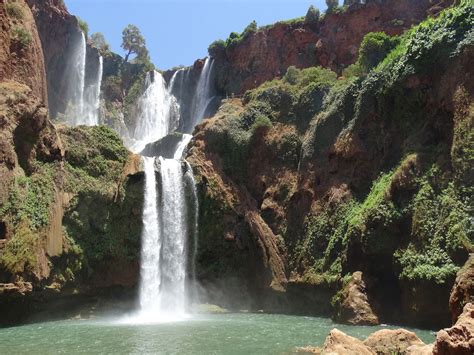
x=170 y=212
x=83 y=98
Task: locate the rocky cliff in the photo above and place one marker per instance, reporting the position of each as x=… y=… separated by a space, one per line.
x=65 y=192
x=366 y=172
x=247 y=60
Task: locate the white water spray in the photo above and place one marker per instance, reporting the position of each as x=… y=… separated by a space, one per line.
x=156 y=108
x=203 y=96
x=91 y=104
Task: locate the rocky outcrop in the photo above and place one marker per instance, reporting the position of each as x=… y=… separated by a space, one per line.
x=21 y=55
x=352 y=305
x=331 y=43
x=393 y=341
x=459 y=339
x=164 y=147
x=338 y=342
x=463 y=289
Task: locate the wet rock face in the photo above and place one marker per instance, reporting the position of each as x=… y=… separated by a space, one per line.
x=164 y=147
x=333 y=43
x=353 y=305
x=463 y=289
x=459 y=339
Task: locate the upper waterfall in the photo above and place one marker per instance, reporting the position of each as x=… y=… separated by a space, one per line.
x=83 y=96
x=158 y=112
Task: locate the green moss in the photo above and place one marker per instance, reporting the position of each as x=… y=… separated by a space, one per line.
x=21 y=35
x=14 y=10
x=20 y=252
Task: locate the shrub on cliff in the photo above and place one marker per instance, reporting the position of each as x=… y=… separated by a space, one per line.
x=216 y=47
x=21 y=36
x=98 y=41
x=374 y=48
x=14 y=10
x=83 y=26
x=312 y=16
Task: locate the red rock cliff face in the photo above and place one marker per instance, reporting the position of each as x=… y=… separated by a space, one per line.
x=21 y=60
x=333 y=43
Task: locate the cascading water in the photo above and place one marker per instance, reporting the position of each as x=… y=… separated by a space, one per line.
x=151 y=244
x=77 y=82
x=83 y=98
x=91 y=104
x=169 y=216
x=203 y=92
x=158 y=111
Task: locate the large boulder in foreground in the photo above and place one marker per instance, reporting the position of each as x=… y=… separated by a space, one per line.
x=338 y=342
x=459 y=339
x=392 y=341
x=463 y=289
x=352 y=304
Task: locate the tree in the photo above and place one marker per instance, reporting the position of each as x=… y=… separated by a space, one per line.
x=251 y=28
x=312 y=16
x=83 y=26
x=332 y=5
x=98 y=41
x=134 y=43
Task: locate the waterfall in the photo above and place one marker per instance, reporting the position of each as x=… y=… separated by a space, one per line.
x=83 y=98
x=158 y=112
x=76 y=83
x=151 y=244
x=91 y=105
x=203 y=96
x=173 y=214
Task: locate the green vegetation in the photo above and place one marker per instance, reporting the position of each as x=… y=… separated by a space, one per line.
x=14 y=10
x=95 y=219
x=26 y=212
x=98 y=41
x=374 y=48
x=21 y=36
x=312 y=16
x=332 y=5
x=233 y=39
x=134 y=43
x=83 y=26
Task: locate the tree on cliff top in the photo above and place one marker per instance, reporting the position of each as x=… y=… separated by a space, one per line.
x=134 y=43
x=98 y=41
x=312 y=16
x=332 y=5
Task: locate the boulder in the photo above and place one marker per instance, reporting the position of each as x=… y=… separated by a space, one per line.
x=164 y=147
x=338 y=342
x=392 y=341
x=459 y=339
x=425 y=349
x=463 y=289
x=352 y=304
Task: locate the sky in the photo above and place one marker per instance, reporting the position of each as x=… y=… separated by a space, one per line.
x=178 y=32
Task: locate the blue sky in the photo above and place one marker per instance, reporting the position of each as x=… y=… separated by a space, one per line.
x=179 y=31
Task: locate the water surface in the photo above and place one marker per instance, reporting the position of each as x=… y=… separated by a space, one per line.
x=241 y=333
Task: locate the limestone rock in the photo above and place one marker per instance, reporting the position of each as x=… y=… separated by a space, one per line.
x=340 y=343
x=463 y=289
x=459 y=339
x=389 y=341
x=353 y=305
